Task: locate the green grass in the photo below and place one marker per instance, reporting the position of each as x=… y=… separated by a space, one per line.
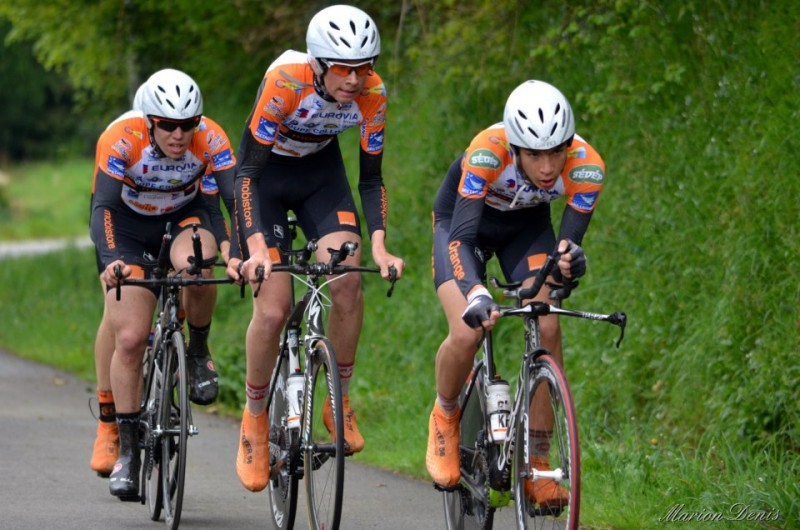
x=44 y=200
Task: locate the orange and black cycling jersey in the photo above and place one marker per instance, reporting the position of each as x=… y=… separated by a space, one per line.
x=131 y=175
x=489 y=179
x=291 y=118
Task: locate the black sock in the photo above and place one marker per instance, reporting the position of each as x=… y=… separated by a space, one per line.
x=198 y=340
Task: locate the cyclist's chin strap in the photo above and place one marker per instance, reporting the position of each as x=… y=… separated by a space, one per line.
x=151 y=132
x=319 y=87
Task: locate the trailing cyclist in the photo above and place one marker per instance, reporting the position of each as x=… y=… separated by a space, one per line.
x=495 y=200
x=155 y=164
x=289 y=159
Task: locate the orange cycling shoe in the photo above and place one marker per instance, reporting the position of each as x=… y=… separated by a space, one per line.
x=106 y=448
x=352 y=436
x=252 y=459
x=545 y=492
x=441 y=458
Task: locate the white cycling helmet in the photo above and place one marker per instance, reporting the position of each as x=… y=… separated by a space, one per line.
x=538 y=116
x=343 y=32
x=137 y=99
x=170 y=94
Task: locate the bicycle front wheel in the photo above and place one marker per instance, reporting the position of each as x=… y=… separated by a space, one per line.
x=174 y=429
x=547 y=454
x=323 y=445
x=283 y=451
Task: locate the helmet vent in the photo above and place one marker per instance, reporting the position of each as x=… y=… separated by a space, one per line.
x=541 y=115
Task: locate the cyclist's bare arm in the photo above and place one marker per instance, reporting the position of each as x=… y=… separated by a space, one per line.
x=383 y=259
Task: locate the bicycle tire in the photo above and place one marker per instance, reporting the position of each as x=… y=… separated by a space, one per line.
x=151 y=477
x=564 y=451
x=175 y=429
x=323 y=458
x=466 y=507
x=284 y=450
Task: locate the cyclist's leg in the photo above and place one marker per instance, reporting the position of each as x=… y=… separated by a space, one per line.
x=454 y=360
x=106 y=444
x=130 y=319
x=328 y=213
x=520 y=260
x=270 y=309
x=453 y=363
x=199 y=303
x=344 y=328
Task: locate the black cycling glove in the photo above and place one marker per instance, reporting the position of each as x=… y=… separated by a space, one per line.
x=480 y=307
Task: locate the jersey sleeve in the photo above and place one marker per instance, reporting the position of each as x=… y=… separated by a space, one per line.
x=118 y=147
x=476 y=176
x=583 y=177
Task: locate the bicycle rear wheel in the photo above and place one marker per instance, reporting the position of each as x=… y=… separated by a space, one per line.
x=175 y=429
x=467 y=507
x=283 y=452
x=551 y=427
x=323 y=459
x=151 y=477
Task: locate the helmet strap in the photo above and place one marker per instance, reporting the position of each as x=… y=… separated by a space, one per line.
x=151 y=131
x=518 y=165
x=319 y=87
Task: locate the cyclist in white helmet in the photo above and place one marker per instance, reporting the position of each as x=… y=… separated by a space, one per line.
x=495 y=200
x=289 y=159
x=157 y=163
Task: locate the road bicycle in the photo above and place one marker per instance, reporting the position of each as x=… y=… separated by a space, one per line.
x=499 y=437
x=166 y=415
x=306 y=374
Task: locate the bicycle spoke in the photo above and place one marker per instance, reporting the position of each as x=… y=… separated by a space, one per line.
x=283 y=450
x=324 y=457
x=547 y=460
x=174 y=437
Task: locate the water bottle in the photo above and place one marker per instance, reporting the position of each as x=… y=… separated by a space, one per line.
x=498 y=406
x=294 y=395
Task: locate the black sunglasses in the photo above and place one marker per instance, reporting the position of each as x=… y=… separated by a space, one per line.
x=170 y=125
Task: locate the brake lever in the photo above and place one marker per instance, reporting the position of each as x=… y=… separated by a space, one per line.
x=259 y=279
x=392 y=279
x=118 y=274
x=621 y=320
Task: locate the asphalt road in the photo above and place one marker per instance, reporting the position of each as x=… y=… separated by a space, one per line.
x=46 y=437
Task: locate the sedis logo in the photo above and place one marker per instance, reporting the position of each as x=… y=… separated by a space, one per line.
x=484 y=158
x=587 y=173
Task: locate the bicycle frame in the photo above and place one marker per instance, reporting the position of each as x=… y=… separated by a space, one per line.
x=490 y=468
